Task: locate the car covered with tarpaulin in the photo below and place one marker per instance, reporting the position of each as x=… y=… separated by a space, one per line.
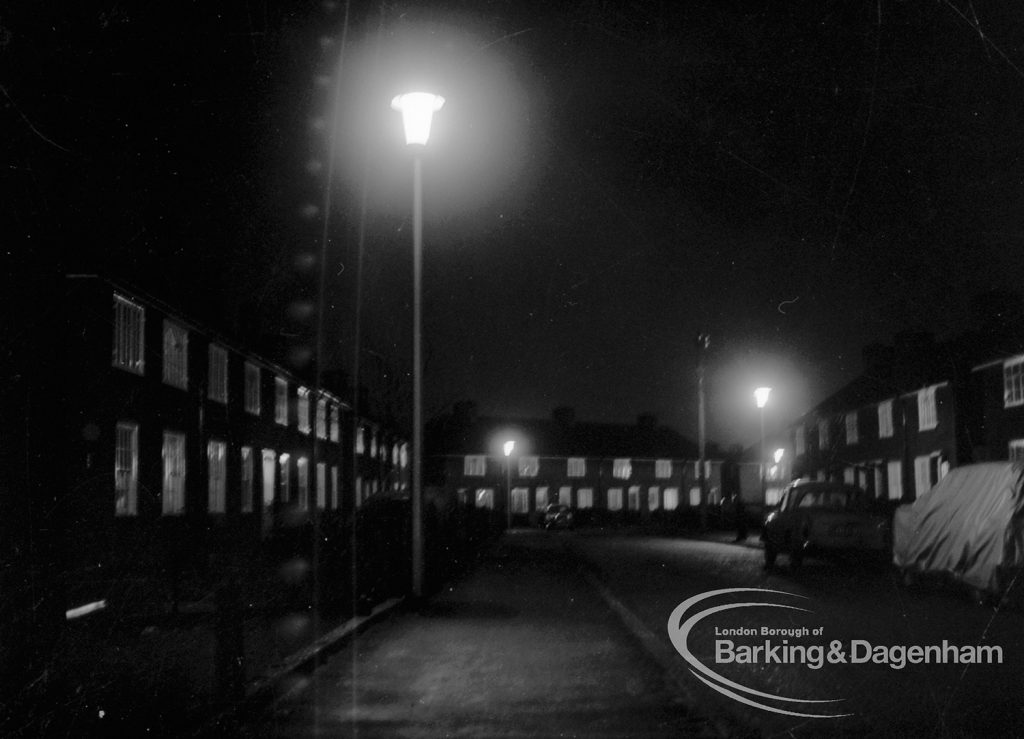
x=969 y=527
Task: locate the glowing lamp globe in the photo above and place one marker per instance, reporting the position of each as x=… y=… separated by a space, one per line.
x=761 y=396
x=417 y=109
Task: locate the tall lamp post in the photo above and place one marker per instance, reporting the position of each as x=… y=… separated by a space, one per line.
x=761 y=398
x=508 y=448
x=417 y=109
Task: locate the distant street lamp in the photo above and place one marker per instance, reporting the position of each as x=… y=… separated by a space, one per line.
x=417 y=109
x=508 y=448
x=761 y=398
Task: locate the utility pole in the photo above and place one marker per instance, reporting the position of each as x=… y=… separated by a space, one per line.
x=703 y=342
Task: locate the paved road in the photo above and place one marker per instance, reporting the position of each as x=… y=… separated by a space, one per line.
x=522 y=647
x=651 y=576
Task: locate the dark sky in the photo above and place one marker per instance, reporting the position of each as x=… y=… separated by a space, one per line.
x=605 y=181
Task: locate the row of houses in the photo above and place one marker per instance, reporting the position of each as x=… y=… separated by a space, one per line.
x=179 y=439
x=920 y=408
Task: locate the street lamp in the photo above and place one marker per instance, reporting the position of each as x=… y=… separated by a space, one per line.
x=417 y=109
x=761 y=398
x=508 y=448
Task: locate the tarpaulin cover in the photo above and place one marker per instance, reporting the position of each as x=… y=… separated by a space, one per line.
x=970 y=525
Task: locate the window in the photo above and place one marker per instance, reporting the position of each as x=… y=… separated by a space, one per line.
x=361 y=440
x=269 y=465
x=541 y=498
x=1016 y=450
x=485 y=498
x=1013 y=382
x=577 y=467
x=403 y=456
x=926 y=473
x=335 y=425
x=217 y=380
x=126 y=469
x=671 y=499
x=474 y=466
x=614 y=499
x=359 y=491
x=303 y=410
x=334 y=486
x=529 y=466
x=281 y=401
x=321 y=418
x=303 y=467
x=247 y=479
x=823 y=439
x=174 y=474
x=585 y=498
x=851 y=428
x=520 y=500
x=395 y=454
x=321 y=485
x=216 y=459
x=653 y=502
x=565 y=495
x=926 y=415
x=800 y=440
x=663 y=469
x=633 y=497
x=286 y=477
x=252 y=389
x=129 y=335
x=373 y=444
x=850 y=475
x=622 y=469
x=885 y=428
x=175 y=355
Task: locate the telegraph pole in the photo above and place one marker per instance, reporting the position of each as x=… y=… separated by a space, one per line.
x=703 y=342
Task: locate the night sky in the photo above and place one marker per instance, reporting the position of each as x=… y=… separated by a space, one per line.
x=605 y=181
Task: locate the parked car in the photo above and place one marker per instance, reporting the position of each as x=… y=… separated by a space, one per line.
x=818 y=517
x=968 y=528
x=558 y=516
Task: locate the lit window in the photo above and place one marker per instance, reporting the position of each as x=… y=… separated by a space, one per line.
x=1016 y=451
x=395 y=455
x=614 y=499
x=529 y=466
x=663 y=469
x=175 y=355
x=622 y=469
x=126 y=469
x=303 y=410
x=520 y=500
x=321 y=485
x=885 y=428
x=585 y=498
x=286 y=478
x=281 y=401
x=1013 y=382
x=252 y=389
x=174 y=473
x=565 y=495
x=671 y=499
x=800 y=440
x=269 y=465
x=335 y=424
x=218 y=375
x=321 y=418
x=633 y=497
x=923 y=474
x=851 y=428
x=823 y=438
x=129 y=335
x=303 y=467
x=247 y=479
x=577 y=467
x=373 y=444
x=403 y=456
x=334 y=486
x=653 y=499
x=474 y=466
x=485 y=498
x=926 y=412
x=216 y=458
x=541 y=498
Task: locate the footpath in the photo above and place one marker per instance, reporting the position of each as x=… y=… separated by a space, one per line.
x=523 y=645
